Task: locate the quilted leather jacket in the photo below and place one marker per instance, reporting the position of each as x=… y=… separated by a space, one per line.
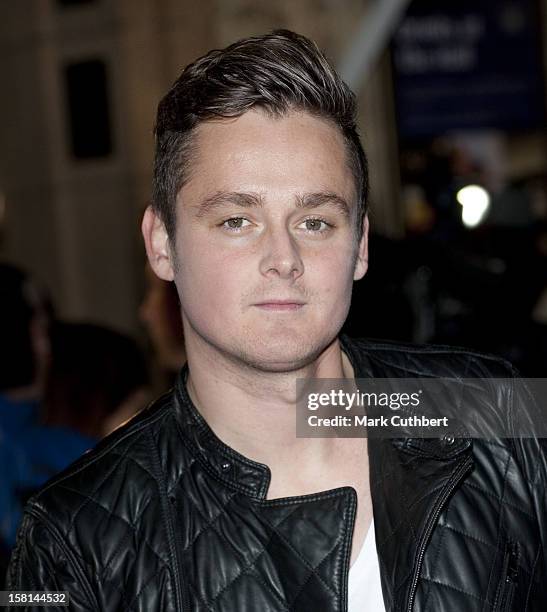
x=162 y=515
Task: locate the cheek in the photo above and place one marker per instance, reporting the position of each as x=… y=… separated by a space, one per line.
x=336 y=281
x=332 y=270
x=209 y=278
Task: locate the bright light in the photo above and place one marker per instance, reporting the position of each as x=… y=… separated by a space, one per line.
x=475 y=201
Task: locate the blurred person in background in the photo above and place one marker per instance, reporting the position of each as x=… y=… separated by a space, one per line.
x=98 y=379
x=160 y=314
x=63 y=387
x=30 y=452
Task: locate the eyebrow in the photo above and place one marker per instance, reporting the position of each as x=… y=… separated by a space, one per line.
x=324 y=198
x=222 y=199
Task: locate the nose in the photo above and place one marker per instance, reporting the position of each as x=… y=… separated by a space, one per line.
x=281 y=256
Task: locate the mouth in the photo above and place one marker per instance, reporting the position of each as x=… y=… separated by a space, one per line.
x=280 y=305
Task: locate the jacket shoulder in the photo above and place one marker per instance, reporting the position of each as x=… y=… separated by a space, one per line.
x=428 y=360
x=502 y=405
x=107 y=505
x=110 y=493
x=126 y=455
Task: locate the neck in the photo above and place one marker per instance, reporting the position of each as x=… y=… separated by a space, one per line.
x=253 y=411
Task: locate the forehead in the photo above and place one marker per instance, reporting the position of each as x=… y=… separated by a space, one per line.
x=297 y=151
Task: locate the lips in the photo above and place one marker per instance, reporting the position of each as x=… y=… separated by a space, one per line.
x=281 y=305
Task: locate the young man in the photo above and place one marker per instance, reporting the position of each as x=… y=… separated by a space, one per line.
x=207 y=500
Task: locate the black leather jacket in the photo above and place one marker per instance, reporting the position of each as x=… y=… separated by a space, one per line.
x=163 y=516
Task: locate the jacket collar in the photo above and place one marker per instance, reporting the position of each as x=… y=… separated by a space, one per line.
x=226 y=464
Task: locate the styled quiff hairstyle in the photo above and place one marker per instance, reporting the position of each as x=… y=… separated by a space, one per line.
x=278 y=73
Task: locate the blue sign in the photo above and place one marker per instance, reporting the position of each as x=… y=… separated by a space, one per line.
x=468 y=65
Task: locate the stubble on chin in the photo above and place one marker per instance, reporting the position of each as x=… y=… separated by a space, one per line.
x=263 y=354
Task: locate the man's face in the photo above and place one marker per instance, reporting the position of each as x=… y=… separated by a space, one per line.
x=265 y=253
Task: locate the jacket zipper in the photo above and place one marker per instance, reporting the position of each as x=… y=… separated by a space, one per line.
x=453 y=483
x=509 y=578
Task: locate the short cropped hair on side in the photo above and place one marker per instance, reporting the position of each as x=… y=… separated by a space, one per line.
x=277 y=73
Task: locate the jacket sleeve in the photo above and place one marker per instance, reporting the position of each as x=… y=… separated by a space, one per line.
x=527 y=417
x=43 y=561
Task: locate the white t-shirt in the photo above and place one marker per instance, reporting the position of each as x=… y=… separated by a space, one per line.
x=364 y=586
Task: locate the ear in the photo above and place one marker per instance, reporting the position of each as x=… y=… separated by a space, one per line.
x=361 y=263
x=157 y=245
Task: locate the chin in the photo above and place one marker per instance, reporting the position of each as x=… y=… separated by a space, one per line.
x=284 y=354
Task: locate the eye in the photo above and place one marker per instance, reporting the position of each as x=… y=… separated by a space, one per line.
x=235 y=224
x=316 y=225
